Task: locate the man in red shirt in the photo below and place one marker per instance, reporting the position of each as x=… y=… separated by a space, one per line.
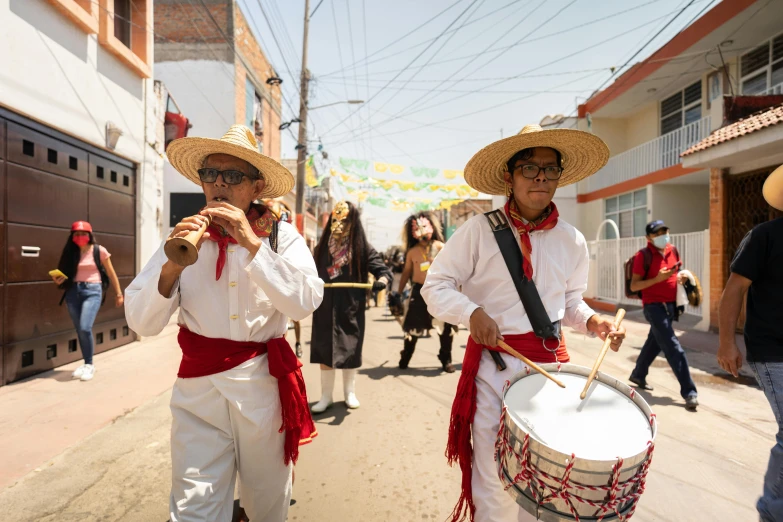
x=658 y=284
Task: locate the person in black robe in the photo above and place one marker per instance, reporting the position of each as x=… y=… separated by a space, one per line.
x=343 y=255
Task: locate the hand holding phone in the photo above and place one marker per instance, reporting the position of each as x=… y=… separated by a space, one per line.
x=57 y=276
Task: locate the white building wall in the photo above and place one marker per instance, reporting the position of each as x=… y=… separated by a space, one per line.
x=204 y=91
x=51 y=71
x=684 y=208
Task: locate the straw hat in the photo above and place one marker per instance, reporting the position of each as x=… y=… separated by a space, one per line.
x=187 y=156
x=773 y=188
x=583 y=155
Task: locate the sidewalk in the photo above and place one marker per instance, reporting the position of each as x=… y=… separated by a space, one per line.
x=57 y=411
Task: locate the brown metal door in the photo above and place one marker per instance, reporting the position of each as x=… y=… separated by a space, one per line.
x=48 y=182
x=746 y=209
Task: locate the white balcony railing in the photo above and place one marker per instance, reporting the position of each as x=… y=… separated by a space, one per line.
x=775 y=89
x=657 y=154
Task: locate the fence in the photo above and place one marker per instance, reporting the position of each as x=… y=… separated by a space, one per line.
x=609 y=275
x=654 y=155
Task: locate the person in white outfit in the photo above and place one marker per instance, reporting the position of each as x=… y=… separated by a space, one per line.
x=470 y=283
x=239 y=403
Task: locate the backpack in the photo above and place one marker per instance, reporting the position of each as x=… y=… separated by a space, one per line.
x=646 y=262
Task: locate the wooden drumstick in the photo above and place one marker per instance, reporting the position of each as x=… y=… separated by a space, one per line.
x=183 y=250
x=530 y=363
x=608 y=341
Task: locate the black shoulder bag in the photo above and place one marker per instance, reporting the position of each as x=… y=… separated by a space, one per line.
x=96 y=254
x=543 y=327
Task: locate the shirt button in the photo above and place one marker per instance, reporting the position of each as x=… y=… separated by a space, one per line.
x=230 y=250
x=233 y=317
x=232 y=283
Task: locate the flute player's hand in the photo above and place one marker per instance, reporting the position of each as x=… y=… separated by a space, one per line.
x=235 y=222
x=185 y=227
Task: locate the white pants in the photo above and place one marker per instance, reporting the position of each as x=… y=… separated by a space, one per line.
x=493 y=504
x=222 y=423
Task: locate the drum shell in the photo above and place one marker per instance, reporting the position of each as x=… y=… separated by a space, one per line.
x=585 y=471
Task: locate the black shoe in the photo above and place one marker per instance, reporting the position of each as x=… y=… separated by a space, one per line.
x=640 y=383
x=449 y=368
x=691 y=403
x=299 y=350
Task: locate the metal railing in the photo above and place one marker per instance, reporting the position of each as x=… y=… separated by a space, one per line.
x=775 y=89
x=604 y=254
x=657 y=154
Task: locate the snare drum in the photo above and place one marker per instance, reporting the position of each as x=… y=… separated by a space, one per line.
x=565 y=459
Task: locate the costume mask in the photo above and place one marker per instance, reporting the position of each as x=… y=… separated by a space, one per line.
x=340 y=213
x=81 y=240
x=422 y=229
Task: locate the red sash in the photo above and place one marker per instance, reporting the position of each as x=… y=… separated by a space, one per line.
x=207 y=356
x=459 y=448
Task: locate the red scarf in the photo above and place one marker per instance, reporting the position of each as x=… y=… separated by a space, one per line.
x=547 y=220
x=260 y=223
x=207 y=356
x=459 y=448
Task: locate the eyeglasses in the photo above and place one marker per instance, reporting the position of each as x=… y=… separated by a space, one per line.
x=231 y=177
x=531 y=171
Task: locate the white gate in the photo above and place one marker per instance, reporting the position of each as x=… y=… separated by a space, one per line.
x=604 y=254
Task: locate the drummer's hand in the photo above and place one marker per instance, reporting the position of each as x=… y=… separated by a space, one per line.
x=483 y=329
x=235 y=222
x=603 y=327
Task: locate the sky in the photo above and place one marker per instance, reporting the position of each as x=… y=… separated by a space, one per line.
x=443 y=78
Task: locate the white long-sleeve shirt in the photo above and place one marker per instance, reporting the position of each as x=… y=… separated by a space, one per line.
x=251 y=301
x=472 y=261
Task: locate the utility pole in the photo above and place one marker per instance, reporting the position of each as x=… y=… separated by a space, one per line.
x=302 y=145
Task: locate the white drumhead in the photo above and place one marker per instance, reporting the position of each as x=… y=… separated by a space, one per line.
x=604 y=426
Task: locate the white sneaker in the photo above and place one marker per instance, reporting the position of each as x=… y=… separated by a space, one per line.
x=77 y=373
x=88 y=373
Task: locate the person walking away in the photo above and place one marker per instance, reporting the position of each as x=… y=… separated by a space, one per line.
x=755 y=270
x=659 y=300
x=88 y=273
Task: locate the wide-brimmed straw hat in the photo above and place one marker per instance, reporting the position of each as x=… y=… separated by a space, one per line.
x=187 y=156
x=583 y=155
x=773 y=188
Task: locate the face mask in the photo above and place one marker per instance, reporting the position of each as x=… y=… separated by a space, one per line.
x=661 y=241
x=81 y=240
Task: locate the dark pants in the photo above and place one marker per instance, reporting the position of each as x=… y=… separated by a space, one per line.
x=84 y=301
x=663 y=338
x=444 y=354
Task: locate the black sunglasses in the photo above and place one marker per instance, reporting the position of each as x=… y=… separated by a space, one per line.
x=531 y=171
x=231 y=177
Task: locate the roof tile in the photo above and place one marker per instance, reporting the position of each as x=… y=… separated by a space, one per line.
x=740 y=128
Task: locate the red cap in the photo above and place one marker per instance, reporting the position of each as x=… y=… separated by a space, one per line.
x=81 y=226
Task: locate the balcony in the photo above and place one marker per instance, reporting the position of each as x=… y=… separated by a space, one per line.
x=775 y=89
x=655 y=155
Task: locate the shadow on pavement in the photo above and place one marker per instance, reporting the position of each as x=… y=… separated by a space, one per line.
x=334 y=416
x=383 y=371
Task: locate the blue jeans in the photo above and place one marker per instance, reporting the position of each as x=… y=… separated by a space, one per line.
x=770 y=378
x=663 y=338
x=84 y=301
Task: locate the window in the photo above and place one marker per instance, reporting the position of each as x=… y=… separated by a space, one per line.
x=184 y=204
x=761 y=70
x=122 y=21
x=629 y=212
x=681 y=108
x=254 y=113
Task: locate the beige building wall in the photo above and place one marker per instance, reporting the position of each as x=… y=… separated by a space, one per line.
x=684 y=208
x=590 y=216
x=613 y=131
x=643 y=125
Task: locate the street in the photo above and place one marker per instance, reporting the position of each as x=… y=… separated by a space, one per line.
x=383 y=461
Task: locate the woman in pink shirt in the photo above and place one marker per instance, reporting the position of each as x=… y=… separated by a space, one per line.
x=85 y=287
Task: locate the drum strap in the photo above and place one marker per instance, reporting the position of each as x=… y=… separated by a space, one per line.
x=543 y=327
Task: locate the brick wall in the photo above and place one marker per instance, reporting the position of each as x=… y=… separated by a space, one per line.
x=187 y=22
x=718 y=255
x=461 y=212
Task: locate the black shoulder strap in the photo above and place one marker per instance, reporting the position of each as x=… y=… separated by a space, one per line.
x=512 y=255
x=647 y=260
x=96 y=255
x=273 y=236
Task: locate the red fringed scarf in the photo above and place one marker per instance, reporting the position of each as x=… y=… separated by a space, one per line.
x=260 y=223
x=207 y=356
x=459 y=448
x=547 y=220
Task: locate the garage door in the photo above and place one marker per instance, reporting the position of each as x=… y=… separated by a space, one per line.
x=48 y=181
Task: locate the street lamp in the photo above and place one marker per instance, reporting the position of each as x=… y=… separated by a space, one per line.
x=350 y=102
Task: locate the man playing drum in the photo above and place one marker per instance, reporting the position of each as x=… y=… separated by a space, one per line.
x=527 y=168
x=239 y=401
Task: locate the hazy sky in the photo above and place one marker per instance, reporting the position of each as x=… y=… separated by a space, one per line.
x=482 y=68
